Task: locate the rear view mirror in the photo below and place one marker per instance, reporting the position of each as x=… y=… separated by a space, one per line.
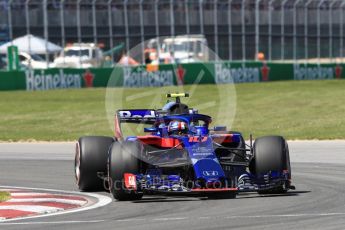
x=219 y=128
x=150 y=130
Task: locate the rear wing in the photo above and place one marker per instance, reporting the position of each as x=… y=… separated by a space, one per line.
x=143 y=116
x=138 y=116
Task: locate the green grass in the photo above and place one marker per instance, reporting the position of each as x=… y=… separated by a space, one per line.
x=4 y=196
x=296 y=110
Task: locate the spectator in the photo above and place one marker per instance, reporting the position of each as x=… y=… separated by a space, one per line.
x=147 y=58
x=126 y=60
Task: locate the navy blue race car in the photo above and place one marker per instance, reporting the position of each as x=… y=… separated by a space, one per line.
x=180 y=154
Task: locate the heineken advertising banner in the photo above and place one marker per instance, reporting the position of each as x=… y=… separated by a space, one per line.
x=66 y=78
x=140 y=77
x=165 y=75
x=51 y=79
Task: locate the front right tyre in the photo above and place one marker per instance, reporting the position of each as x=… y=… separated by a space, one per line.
x=271 y=154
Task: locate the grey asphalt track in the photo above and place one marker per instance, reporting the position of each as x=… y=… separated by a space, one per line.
x=318 y=202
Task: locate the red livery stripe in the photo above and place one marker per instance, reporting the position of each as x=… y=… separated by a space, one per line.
x=213 y=189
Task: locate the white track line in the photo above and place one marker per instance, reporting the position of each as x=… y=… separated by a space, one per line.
x=207 y=218
x=30 y=194
x=32 y=208
x=131 y=220
x=291 y=215
x=57 y=200
x=171 y=218
x=53 y=222
x=9 y=190
x=102 y=201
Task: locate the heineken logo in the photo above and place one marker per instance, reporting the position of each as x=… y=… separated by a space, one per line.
x=225 y=74
x=265 y=71
x=46 y=81
x=180 y=73
x=139 y=77
x=313 y=72
x=338 y=71
x=88 y=78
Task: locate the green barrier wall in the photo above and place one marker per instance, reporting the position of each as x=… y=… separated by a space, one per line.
x=12 y=80
x=199 y=73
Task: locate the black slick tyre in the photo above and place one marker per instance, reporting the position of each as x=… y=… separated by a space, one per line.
x=271 y=153
x=123 y=158
x=91 y=158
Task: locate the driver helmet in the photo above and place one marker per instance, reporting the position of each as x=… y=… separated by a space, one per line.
x=177 y=127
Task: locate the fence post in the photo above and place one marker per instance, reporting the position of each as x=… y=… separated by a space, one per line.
x=342 y=31
x=110 y=25
x=186 y=6
x=318 y=31
x=62 y=20
x=230 y=29
x=125 y=3
x=142 y=39
x=28 y=27
x=172 y=19
x=9 y=15
x=295 y=30
x=330 y=29
x=306 y=55
x=79 y=30
x=157 y=29
x=257 y=29
x=243 y=31
x=172 y=26
x=270 y=8
x=45 y=21
x=201 y=17
x=215 y=22
x=282 y=30
x=94 y=23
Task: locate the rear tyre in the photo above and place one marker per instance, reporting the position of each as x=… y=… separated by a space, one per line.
x=90 y=158
x=271 y=153
x=123 y=158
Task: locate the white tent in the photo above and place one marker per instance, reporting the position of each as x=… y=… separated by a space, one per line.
x=31 y=44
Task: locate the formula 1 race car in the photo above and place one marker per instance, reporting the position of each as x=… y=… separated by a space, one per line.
x=180 y=155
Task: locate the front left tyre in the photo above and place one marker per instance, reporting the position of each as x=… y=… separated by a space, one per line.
x=123 y=158
x=90 y=160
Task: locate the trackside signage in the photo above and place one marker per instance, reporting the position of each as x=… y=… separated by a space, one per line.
x=39 y=80
x=139 y=77
x=227 y=74
x=167 y=75
x=313 y=72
